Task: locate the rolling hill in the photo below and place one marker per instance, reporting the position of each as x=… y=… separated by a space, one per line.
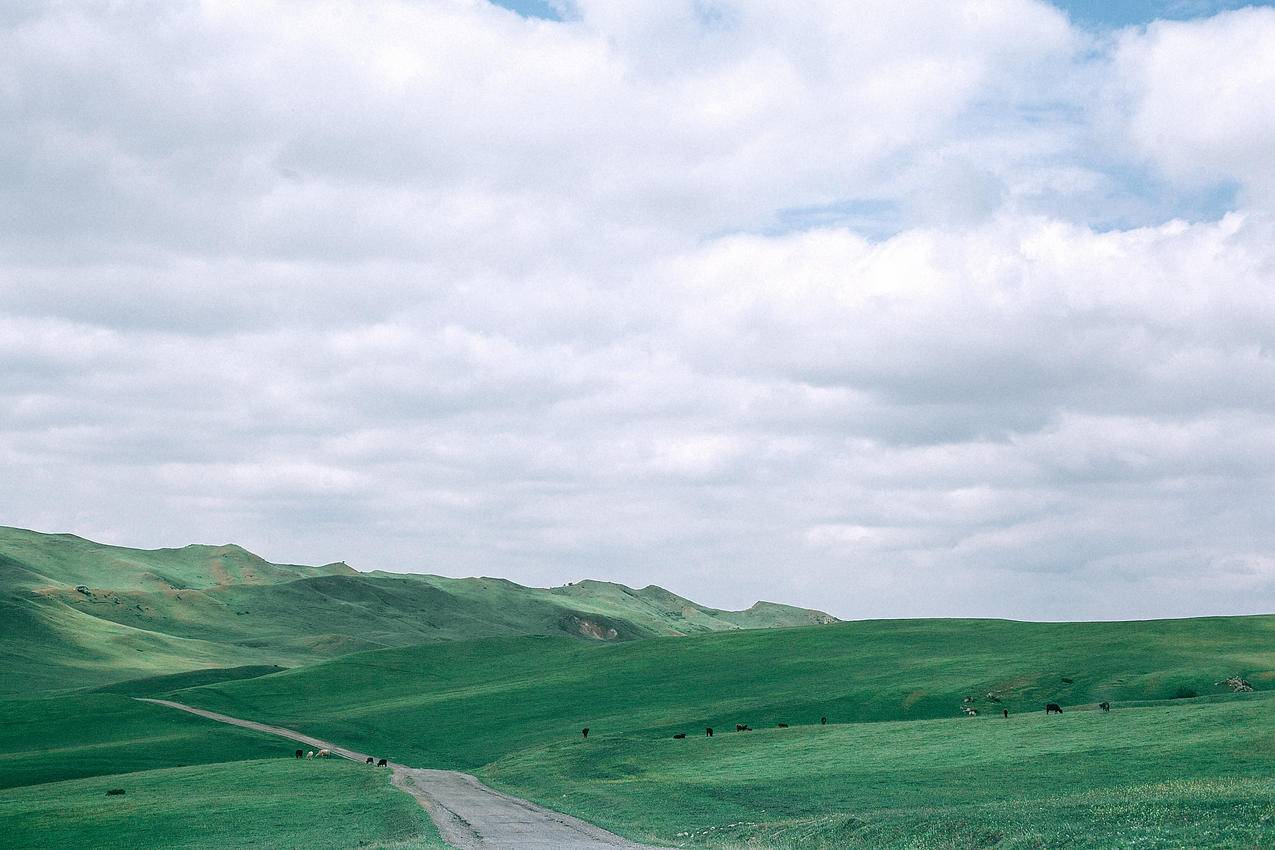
x=462 y=705
x=83 y=614
x=497 y=679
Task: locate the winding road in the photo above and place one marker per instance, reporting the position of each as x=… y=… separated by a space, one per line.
x=468 y=814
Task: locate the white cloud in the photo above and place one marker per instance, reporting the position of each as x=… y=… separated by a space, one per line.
x=432 y=286
x=1198 y=99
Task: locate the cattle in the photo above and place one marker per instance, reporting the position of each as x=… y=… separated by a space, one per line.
x=742 y=727
x=369 y=760
x=969 y=711
x=1005 y=711
x=1053 y=708
x=680 y=735
x=708 y=732
x=310 y=754
x=823 y=721
x=300 y=754
x=585 y=732
x=115 y=792
x=1105 y=706
x=323 y=754
x=382 y=763
x=783 y=725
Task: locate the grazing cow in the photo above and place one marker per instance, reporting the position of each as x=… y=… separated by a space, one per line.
x=310 y=754
x=115 y=792
x=680 y=735
x=323 y=754
x=382 y=763
x=300 y=754
x=783 y=725
x=1105 y=706
x=742 y=727
x=1005 y=711
x=1053 y=708
x=823 y=721
x=708 y=733
x=585 y=731
x=369 y=760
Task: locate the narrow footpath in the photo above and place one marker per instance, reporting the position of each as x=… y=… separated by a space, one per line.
x=468 y=814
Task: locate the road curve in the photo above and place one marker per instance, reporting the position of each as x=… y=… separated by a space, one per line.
x=468 y=814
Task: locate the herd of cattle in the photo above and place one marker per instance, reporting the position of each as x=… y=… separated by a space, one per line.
x=327 y=754
x=1051 y=708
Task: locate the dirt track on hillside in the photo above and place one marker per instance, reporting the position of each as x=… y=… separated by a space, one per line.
x=469 y=815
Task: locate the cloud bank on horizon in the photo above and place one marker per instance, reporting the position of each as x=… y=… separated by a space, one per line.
x=938 y=308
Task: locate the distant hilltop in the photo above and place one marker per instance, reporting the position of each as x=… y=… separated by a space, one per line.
x=86 y=613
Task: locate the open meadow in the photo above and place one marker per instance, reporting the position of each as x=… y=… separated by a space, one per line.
x=916 y=752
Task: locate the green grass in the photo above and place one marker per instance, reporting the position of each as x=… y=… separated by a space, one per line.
x=1173 y=775
x=897 y=767
x=463 y=705
x=319 y=805
x=152 y=685
x=47 y=740
x=78 y=614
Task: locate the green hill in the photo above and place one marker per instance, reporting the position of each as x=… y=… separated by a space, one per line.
x=898 y=765
x=465 y=704
x=82 y=614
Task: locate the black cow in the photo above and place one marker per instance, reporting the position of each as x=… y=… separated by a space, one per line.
x=742 y=727
x=382 y=763
x=783 y=725
x=823 y=721
x=1053 y=708
x=115 y=792
x=1105 y=706
x=585 y=731
x=300 y=754
x=680 y=735
x=369 y=760
x=708 y=732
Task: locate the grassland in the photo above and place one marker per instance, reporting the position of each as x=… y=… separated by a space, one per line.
x=464 y=705
x=487 y=676
x=328 y=805
x=1187 y=774
x=84 y=735
x=80 y=614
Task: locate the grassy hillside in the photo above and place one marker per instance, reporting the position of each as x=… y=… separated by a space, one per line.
x=81 y=615
x=83 y=735
x=466 y=704
x=319 y=805
x=31 y=560
x=1186 y=774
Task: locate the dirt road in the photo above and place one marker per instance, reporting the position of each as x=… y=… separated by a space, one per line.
x=469 y=815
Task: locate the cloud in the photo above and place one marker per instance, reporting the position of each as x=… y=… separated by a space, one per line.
x=1197 y=100
x=434 y=286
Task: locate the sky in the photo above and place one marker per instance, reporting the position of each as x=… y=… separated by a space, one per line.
x=928 y=308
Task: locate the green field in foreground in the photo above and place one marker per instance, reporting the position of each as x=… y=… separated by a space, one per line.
x=464 y=705
x=318 y=805
x=47 y=740
x=1185 y=774
x=898 y=766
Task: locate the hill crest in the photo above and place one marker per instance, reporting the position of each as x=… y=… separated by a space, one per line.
x=92 y=614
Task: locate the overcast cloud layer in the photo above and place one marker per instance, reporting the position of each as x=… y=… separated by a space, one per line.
x=918 y=308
